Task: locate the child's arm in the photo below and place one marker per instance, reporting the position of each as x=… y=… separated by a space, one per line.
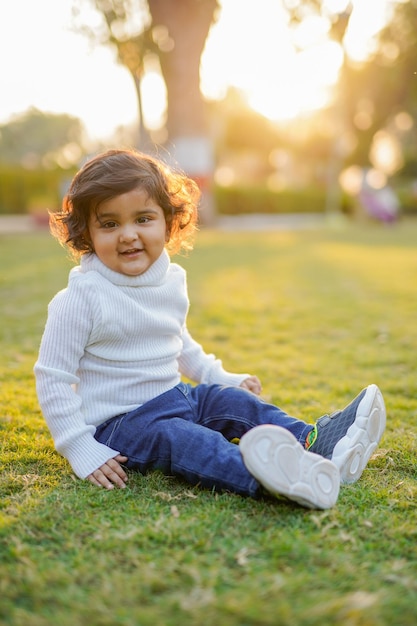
x=66 y=333
x=200 y=367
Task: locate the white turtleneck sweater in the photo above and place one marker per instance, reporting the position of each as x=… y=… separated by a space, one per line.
x=111 y=343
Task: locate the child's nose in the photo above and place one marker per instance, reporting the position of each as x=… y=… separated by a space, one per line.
x=129 y=233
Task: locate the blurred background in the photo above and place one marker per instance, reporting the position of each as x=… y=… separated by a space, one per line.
x=273 y=106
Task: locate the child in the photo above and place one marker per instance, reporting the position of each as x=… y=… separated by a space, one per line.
x=116 y=344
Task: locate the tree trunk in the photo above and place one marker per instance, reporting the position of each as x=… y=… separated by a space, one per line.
x=143 y=141
x=187 y=24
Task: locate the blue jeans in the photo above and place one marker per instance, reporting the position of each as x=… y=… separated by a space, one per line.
x=186 y=432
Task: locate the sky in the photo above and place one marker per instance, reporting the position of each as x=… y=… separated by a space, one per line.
x=46 y=65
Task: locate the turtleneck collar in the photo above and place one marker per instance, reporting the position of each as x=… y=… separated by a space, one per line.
x=153 y=276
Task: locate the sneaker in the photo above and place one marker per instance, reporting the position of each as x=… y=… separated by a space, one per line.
x=349 y=437
x=283 y=467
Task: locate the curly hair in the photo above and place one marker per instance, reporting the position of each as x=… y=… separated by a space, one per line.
x=113 y=173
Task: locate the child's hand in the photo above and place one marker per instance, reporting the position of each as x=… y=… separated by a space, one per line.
x=252 y=384
x=110 y=474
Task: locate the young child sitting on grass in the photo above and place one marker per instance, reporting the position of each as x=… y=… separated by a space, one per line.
x=116 y=345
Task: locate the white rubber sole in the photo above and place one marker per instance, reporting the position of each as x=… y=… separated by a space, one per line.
x=275 y=458
x=352 y=453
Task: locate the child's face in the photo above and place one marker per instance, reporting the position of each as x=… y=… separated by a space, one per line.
x=129 y=232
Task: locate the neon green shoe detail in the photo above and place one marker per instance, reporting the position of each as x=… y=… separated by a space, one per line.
x=311 y=438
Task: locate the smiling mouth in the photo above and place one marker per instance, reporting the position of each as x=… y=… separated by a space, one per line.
x=131 y=252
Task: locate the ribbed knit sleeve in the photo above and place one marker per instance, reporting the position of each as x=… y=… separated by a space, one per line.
x=204 y=368
x=68 y=329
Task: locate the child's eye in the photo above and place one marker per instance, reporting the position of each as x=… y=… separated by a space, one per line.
x=143 y=219
x=108 y=225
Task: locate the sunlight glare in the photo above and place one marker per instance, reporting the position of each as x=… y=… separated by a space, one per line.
x=336 y=6
x=249 y=52
x=403 y=121
x=354 y=179
x=359 y=40
x=303 y=88
x=375 y=179
x=351 y=180
x=279 y=82
x=250 y=48
x=225 y=176
x=310 y=31
x=154 y=99
x=386 y=153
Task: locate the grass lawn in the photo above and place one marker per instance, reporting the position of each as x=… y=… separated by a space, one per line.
x=317 y=315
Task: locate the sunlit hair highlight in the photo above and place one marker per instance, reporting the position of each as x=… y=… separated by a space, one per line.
x=114 y=173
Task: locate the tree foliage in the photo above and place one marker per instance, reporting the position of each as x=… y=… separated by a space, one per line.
x=337 y=21
x=36 y=138
x=391 y=76
x=369 y=95
x=175 y=32
x=386 y=85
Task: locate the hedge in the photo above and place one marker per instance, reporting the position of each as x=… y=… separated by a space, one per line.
x=24 y=191
x=242 y=200
x=239 y=200
x=34 y=191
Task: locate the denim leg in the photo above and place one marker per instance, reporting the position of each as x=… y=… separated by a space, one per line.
x=233 y=411
x=186 y=432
